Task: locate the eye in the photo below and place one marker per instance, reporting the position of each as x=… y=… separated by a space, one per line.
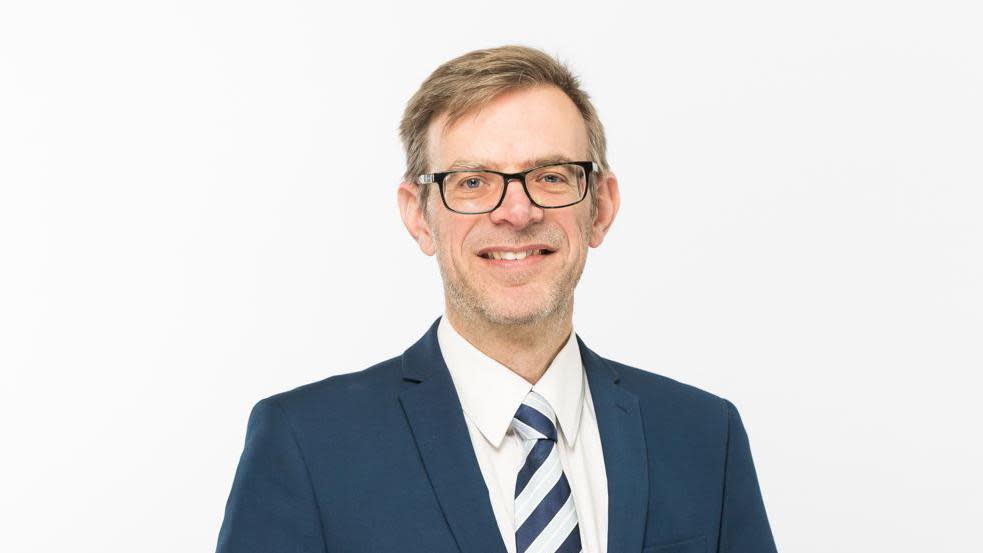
x=553 y=178
x=471 y=182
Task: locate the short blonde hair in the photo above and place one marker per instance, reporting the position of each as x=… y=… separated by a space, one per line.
x=472 y=80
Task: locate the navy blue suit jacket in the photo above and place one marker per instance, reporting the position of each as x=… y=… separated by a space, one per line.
x=380 y=460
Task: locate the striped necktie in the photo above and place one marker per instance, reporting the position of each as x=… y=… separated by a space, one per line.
x=545 y=517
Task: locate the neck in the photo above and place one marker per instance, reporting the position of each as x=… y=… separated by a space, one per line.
x=527 y=349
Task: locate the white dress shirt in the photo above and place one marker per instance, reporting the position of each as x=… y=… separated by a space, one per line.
x=491 y=393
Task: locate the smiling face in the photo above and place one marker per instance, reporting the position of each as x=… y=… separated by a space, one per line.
x=519 y=264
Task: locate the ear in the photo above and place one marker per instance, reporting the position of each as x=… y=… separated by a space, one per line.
x=408 y=198
x=608 y=202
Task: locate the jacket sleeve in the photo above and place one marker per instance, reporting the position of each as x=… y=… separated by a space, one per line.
x=744 y=524
x=271 y=508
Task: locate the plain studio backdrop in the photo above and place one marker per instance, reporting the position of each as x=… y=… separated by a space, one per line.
x=198 y=210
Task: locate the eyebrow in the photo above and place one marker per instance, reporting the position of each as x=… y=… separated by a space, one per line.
x=548 y=160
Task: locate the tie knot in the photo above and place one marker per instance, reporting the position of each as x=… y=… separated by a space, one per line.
x=535 y=419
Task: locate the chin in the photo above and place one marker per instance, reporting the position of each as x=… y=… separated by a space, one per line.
x=517 y=312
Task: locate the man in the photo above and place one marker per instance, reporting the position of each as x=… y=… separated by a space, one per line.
x=499 y=430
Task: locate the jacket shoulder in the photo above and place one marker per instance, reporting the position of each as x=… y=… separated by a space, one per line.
x=670 y=400
x=343 y=395
x=653 y=382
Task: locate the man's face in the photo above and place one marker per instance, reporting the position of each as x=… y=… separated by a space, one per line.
x=510 y=134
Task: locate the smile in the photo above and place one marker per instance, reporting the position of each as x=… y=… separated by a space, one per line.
x=514 y=256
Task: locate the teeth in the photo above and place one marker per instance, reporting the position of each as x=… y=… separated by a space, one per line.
x=513 y=256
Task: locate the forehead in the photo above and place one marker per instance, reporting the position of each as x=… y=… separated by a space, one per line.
x=511 y=132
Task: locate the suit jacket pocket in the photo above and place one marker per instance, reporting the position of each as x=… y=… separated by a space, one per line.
x=691 y=545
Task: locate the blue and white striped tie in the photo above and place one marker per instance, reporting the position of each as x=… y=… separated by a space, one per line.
x=545 y=517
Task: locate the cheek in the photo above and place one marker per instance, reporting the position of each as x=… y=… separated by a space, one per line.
x=578 y=231
x=454 y=245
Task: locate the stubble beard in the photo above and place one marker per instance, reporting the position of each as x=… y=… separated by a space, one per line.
x=474 y=306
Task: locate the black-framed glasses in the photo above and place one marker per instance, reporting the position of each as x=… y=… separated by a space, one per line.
x=476 y=191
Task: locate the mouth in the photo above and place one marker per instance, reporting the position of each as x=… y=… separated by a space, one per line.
x=511 y=260
x=501 y=255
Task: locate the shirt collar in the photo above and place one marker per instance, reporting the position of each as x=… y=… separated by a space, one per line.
x=475 y=374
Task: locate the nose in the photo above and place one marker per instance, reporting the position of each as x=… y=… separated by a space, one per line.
x=516 y=208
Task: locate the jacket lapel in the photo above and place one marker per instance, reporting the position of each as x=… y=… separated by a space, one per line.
x=619 y=422
x=434 y=413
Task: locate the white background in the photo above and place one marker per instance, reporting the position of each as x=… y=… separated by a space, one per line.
x=198 y=210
